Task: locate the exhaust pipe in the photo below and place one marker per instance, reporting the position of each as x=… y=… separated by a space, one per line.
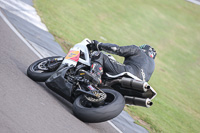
x=135 y=84
x=138 y=101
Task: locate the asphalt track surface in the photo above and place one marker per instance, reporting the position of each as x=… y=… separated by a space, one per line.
x=27 y=106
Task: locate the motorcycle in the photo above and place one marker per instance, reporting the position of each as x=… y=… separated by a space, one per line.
x=92 y=103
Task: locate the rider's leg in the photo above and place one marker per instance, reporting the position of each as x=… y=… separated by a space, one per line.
x=96 y=71
x=101 y=62
x=109 y=65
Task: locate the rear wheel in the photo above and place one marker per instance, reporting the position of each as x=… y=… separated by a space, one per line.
x=40 y=71
x=112 y=106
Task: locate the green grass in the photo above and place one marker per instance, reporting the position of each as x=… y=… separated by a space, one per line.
x=172 y=27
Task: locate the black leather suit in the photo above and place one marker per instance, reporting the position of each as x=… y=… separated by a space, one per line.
x=136 y=61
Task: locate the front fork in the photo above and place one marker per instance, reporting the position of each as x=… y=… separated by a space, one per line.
x=95 y=93
x=54 y=64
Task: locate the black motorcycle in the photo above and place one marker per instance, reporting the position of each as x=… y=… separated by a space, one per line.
x=68 y=77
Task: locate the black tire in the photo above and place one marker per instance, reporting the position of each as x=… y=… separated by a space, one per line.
x=39 y=76
x=102 y=113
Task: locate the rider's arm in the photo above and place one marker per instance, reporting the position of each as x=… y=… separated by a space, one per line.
x=118 y=50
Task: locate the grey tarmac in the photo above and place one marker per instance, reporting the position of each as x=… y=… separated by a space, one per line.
x=27 y=106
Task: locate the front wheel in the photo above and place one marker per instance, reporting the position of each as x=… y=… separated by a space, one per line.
x=112 y=107
x=40 y=71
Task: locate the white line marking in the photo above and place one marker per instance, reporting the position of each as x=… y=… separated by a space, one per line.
x=24 y=11
x=115 y=127
x=19 y=35
x=194 y=1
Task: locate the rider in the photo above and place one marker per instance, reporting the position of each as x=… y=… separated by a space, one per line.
x=138 y=60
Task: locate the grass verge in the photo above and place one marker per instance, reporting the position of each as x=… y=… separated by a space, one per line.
x=172 y=27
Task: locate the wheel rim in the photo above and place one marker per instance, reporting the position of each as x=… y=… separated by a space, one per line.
x=109 y=99
x=39 y=67
x=45 y=65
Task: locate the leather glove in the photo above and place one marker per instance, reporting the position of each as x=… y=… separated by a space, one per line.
x=94 y=45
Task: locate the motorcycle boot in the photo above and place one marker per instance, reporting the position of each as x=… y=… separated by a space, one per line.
x=95 y=73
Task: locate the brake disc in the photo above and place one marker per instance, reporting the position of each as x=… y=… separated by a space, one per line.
x=100 y=96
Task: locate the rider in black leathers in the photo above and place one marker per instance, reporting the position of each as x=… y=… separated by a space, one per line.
x=138 y=60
